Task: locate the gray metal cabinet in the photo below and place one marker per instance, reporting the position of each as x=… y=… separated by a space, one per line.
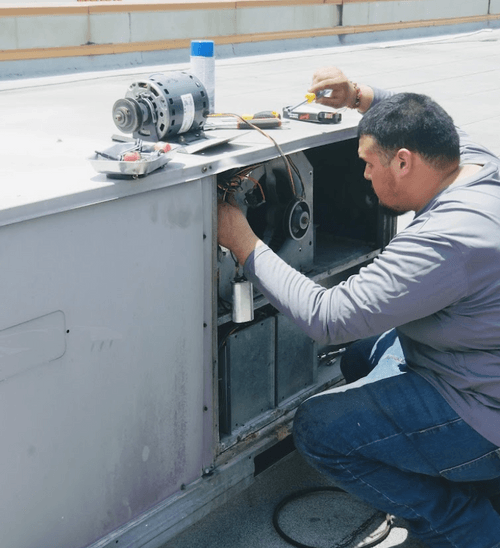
x=103 y=364
x=132 y=404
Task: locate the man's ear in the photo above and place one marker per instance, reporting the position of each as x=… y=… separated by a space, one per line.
x=403 y=162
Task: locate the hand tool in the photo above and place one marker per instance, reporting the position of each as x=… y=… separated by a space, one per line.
x=310 y=97
x=322 y=117
x=262 y=114
x=239 y=123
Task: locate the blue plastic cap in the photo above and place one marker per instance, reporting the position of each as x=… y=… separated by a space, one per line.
x=202 y=48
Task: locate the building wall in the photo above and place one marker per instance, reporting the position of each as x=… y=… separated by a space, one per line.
x=494 y=6
x=126 y=31
x=383 y=12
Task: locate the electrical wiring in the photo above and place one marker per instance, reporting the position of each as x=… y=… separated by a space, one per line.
x=259 y=316
x=224 y=340
x=286 y=160
x=257 y=184
x=234 y=183
x=297 y=171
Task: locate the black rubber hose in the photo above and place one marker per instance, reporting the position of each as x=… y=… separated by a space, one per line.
x=346 y=541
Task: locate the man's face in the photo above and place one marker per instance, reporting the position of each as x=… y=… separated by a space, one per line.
x=378 y=170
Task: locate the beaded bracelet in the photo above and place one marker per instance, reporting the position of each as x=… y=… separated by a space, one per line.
x=357 y=100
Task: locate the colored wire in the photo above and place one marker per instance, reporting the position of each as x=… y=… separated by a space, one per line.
x=286 y=160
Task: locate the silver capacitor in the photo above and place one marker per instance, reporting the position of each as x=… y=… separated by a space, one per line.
x=242 y=301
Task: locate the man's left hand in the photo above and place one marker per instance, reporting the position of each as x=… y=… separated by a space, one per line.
x=235 y=233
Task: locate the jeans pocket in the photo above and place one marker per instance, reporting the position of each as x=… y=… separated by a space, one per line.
x=486 y=467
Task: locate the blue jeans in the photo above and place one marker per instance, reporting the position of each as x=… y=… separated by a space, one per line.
x=391 y=439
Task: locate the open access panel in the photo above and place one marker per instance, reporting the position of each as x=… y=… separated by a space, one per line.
x=316 y=210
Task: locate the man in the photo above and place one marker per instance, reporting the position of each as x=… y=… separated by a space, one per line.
x=416 y=430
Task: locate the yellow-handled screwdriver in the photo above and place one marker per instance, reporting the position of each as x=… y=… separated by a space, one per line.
x=262 y=114
x=228 y=122
x=310 y=97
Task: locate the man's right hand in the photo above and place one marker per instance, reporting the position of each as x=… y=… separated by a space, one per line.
x=343 y=91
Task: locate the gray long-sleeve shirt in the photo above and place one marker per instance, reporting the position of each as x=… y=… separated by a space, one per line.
x=437 y=282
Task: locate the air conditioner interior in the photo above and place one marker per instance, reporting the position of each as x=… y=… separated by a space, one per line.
x=327 y=224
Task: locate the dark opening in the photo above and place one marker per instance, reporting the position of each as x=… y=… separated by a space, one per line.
x=272 y=455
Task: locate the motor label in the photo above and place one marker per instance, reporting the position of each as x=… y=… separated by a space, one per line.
x=189 y=112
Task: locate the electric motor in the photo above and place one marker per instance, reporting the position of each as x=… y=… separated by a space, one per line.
x=162 y=106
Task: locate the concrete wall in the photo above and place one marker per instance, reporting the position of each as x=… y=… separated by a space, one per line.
x=494 y=6
x=376 y=13
x=90 y=35
x=79 y=28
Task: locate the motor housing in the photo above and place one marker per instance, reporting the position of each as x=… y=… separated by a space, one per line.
x=162 y=106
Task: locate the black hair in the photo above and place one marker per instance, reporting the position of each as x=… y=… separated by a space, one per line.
x=415 y=122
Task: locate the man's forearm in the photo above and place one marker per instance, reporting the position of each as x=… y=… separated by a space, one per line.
x=245 y=247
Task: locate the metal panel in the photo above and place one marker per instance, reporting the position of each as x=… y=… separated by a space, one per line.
x=296 y=359
x=31 y=343
x=247 y=368
x=210 y=388
x=108 y=420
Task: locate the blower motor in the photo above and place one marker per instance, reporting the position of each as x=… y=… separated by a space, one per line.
x=162 y=106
